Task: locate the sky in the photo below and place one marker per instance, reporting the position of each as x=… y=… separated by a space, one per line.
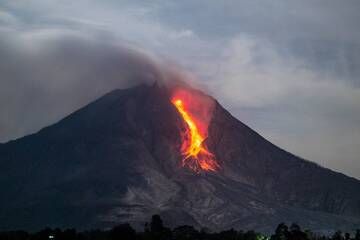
x=288 y=69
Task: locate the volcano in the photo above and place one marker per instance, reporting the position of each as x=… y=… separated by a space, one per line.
x=128 y=155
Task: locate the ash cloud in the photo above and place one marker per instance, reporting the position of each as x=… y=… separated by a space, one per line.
x=48 y=74
x=44 y=79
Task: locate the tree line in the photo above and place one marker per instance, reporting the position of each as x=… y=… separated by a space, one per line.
x=155 y=230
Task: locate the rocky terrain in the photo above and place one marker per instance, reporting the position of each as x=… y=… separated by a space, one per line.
x=118 y=160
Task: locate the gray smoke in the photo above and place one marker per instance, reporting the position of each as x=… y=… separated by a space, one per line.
x=44 y=80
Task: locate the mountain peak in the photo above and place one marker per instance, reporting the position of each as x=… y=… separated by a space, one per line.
x=126 y=156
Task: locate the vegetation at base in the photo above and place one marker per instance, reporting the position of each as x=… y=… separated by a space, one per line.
x=155 y=230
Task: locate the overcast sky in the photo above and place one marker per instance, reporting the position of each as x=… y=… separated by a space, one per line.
x=288 y=69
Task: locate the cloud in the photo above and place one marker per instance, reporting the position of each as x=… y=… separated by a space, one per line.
x=309 y=113
x=47 y=74
x=269 y=77
x=7 y=18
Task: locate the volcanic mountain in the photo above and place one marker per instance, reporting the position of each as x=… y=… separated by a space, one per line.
x=123 y=158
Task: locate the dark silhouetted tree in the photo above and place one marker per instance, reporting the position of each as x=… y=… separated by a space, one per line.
x=157 y=229
x=122 y=231
x=156 y=224
x=250 y=235
x=357 y=234
x=228 y=235
x=281 y=232
x=185 y=233
x=337 y=236
x=69 y=234
x=296 y=233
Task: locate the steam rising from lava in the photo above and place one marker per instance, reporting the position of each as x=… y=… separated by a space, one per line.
x=196 y=111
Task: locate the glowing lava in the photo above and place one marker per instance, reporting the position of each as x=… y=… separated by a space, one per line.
x=197 y=157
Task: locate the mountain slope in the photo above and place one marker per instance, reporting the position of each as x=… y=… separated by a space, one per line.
x=118 y=159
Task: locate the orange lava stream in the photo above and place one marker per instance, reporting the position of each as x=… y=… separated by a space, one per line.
x=196 y=155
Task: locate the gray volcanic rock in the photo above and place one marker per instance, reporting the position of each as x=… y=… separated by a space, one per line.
x=118 y=160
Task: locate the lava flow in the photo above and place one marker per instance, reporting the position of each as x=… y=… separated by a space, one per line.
x=197 y=157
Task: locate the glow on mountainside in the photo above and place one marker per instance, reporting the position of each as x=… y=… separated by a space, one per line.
x=196 y=156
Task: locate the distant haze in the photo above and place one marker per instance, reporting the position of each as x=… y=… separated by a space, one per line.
x=289 y=69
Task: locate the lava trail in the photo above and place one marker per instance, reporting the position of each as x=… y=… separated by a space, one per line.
x=196 y=156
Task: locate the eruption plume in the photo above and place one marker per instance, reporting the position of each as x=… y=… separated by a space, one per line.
x=196 y=155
